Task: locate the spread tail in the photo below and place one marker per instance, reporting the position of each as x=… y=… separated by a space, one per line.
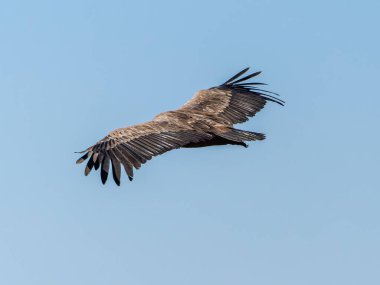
x=241 y=136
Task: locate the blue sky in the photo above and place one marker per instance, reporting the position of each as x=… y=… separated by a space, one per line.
x=301 y=207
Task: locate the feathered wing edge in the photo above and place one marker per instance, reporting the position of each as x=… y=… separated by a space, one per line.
x=132 y=153
x=235 y=83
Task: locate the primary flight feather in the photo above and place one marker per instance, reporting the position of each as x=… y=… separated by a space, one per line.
x=206 y=120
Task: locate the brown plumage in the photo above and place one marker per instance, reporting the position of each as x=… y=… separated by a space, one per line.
x=206 y=120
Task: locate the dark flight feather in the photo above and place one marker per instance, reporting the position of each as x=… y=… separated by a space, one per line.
x=89 y=166
x=247 y=77
x=236 y=76
x=116 y=170
x=105 y=168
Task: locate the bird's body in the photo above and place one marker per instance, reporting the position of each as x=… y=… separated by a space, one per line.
x=205 y=120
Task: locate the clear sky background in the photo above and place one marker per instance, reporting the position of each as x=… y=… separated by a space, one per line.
x=301 y=207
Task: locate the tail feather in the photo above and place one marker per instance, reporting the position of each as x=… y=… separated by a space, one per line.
x=241 y=136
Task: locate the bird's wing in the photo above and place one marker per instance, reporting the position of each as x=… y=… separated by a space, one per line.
x=235 y=100
x=133 y=146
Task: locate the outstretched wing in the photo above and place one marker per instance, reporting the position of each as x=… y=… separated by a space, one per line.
x=234 y=100
x=133 y=146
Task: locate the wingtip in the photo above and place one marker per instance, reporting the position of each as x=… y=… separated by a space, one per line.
x=86 y=171
x=83 y=158
x=236 y=76
x=83 y=151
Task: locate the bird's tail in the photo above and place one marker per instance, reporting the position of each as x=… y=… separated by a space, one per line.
x=241 y=136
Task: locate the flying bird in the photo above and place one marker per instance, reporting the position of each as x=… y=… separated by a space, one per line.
x=207 y=119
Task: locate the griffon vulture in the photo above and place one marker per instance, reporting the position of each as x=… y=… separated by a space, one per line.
x=207 y=119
